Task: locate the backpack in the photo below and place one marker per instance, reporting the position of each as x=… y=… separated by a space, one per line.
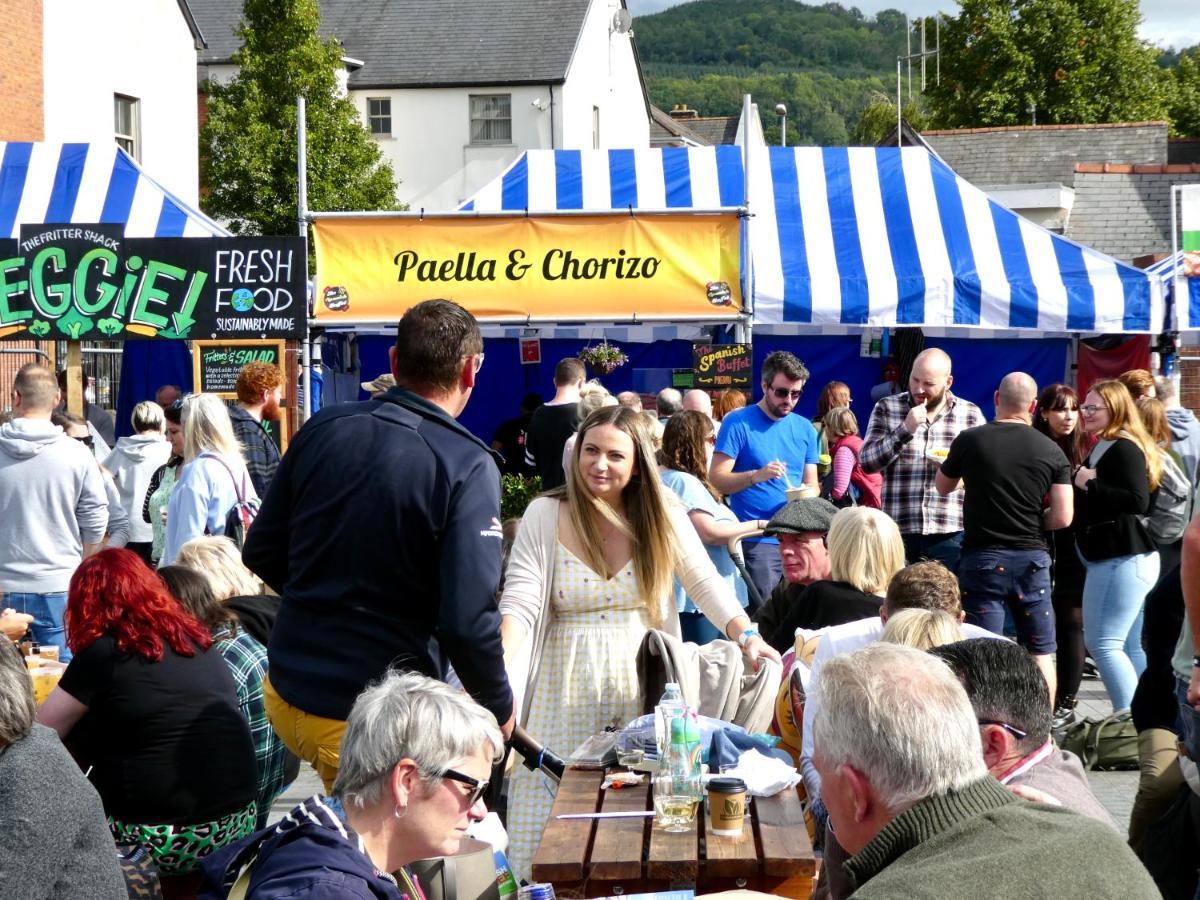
x=1172 y=508
x=243 y=512
x=1103 y=744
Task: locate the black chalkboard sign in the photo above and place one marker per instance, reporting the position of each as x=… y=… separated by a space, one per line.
x=215 y=368
x=216 y=364
x=722 y=365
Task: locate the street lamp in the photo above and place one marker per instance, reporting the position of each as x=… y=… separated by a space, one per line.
x=781 y=111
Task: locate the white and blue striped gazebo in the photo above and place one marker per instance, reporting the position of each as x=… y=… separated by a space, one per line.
x=856 y=237
x=61 y=183
x=1185 y=303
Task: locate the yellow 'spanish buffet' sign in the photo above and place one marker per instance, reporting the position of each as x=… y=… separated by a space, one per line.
x=570 y=267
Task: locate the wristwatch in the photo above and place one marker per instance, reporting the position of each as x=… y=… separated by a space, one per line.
x=746 y=635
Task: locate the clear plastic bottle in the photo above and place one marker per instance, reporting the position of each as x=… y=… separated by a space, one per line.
x=670 y=706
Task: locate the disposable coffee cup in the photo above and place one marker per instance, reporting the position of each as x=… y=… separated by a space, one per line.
x=726 y=806
x=48 y=651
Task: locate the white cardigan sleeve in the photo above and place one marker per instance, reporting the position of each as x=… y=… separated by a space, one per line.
x=696 y=572
x=529 y=573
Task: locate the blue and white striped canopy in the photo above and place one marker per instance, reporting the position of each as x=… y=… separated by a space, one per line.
x=1186 y=303
x=46 y=183
x=857 y=236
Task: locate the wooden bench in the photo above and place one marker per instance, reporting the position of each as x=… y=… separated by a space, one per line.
x=606 y=857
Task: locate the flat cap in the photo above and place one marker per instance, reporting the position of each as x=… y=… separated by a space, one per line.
x=805 y=514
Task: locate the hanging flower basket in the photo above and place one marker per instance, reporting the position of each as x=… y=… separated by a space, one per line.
x=604 y=357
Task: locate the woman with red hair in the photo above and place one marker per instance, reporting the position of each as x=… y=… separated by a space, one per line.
x=153 y=711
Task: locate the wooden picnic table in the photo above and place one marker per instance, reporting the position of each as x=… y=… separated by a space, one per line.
x=606 y=857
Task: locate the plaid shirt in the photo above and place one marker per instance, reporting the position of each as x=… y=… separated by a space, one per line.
x=910 y=495
x=260 y=452
x=247 y=661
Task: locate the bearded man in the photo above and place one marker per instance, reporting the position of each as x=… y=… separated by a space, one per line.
x=259 y=391
x=908 y=437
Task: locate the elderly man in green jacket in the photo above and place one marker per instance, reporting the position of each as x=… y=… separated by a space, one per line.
x=910 y=799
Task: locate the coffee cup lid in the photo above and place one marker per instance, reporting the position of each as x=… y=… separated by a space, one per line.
x=726 y=785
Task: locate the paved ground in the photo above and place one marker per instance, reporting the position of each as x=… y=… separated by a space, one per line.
x=1114 y=789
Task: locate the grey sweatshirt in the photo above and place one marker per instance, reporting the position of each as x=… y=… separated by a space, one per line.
x=52 y=502
x=134 y=460
x=54 y=841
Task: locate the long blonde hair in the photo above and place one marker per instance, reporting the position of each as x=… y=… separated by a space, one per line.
x=1124 y=421
x=207 y=428
x=649 y=528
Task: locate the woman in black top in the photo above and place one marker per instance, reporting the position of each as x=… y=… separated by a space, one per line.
x=154 y=712
x=1119 y=555
x=1057 y=417
x=865 y=551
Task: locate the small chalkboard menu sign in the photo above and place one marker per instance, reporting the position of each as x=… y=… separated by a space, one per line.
x=722 y=365
x=215 y=368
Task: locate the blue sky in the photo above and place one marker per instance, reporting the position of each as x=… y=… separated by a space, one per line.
x=1164 y=22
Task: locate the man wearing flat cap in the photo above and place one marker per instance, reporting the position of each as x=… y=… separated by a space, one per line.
x=802 y=527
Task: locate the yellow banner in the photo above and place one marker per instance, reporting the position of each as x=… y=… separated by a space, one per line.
x=566 y=267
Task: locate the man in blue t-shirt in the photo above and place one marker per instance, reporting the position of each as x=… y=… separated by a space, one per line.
x=761 y=451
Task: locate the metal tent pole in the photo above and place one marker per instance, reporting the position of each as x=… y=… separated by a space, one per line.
x=302 y=225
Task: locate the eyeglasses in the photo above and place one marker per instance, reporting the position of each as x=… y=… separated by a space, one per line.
x=478 y=788
x=86 y=440
x=1014 y=731
x=785 y=394
x=478 y=362
x=1091 y=409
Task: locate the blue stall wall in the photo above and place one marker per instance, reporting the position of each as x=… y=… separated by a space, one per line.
x=978 y=366
x=145 y=367
x=503 y=381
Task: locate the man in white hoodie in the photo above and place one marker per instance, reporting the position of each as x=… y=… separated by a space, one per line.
x=55 y=511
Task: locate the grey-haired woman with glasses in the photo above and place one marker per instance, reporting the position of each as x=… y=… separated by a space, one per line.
x=415 y=763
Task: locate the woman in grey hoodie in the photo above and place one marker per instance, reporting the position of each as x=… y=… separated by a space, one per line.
x=132 y=463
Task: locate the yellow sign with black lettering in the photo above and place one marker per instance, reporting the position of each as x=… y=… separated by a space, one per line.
x=607 y=266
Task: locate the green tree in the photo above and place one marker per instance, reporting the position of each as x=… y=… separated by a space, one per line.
x=248 y=142
x=1184 y=100
x=1078 y=61
x=879 y=118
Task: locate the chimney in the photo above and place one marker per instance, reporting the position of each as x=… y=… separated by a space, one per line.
x=681 y=111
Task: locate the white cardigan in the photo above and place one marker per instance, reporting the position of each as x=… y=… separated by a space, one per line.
x=529 y=577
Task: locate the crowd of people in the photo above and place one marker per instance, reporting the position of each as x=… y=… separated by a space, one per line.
x=377 y=621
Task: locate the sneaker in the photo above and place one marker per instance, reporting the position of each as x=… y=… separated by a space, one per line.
x=1063 y=716
x=1089 y=668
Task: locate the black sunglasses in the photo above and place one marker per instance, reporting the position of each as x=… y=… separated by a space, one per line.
x=478 y=788
x=1011 y=729
x=86 y=441
x=784 y=393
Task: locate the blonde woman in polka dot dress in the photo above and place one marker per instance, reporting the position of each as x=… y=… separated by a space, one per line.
x=591 y=571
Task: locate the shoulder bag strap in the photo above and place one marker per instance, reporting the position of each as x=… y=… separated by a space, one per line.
x=237 y=487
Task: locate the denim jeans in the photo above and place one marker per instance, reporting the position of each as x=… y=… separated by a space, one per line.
x=1114 y=595
x=47 y=611
x=994 y=581
x=944 y=548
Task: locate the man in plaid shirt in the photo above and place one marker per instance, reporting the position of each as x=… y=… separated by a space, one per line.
x=908 y=436
x=259 y=390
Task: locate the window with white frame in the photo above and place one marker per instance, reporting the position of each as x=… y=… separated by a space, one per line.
x=127 y=125
x=379 y=115
x=491 y=118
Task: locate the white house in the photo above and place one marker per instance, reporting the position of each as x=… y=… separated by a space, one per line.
x=126 y=69
x=454 y=91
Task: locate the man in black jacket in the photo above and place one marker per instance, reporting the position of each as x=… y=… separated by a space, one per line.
x=381 y=532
